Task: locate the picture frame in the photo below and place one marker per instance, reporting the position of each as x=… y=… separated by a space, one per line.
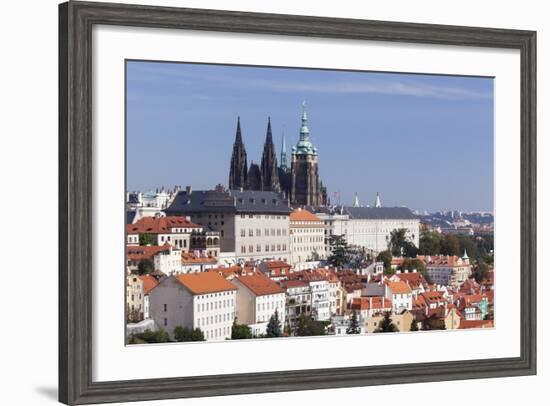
x=76 y=20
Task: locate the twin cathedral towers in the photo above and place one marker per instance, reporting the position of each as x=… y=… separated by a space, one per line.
x=300 y=182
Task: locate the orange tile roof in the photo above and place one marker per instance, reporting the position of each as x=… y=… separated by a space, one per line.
x=205 y=282
x=441 y=260
x=476 y=324
x=260 y=284
x=303 y=215
x=159 y=225
x=276 y=264
x=149 y=283
x=189 y=258
x=374 y=302
x=293 y=284
x=398 y=287
x=413 y=279
x=232 y=271
x=140 y=252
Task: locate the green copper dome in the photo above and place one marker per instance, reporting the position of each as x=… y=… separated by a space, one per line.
x=304 y=146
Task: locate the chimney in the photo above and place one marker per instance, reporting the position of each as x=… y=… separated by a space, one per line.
x=188 y=190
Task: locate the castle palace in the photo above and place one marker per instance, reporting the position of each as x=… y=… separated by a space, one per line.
x=300 y=183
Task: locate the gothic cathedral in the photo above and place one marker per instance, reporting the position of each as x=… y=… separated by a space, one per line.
x=300 y=183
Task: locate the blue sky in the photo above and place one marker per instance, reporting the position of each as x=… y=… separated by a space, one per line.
x=422 y=141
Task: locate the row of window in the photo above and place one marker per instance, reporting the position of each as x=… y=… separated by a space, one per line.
x=266 y=217
x=268 y=248
x=218 y=318
x=306 y=230
x=267 y=232
x=309 y=239
x=219 y=304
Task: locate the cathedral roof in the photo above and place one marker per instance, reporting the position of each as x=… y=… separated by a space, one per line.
x=234 y=201
x=398 y=213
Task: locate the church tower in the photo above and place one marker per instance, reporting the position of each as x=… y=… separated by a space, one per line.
x=305 y=183
x=269 y=169
x=238 y=167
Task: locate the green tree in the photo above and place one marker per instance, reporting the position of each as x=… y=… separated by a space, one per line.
x=146 y=239
x=145 y=266
x=340 y=251
x=187 y=334
x=400 y=245
x=385 y=257
x=240 y=331
x=429 y=243
x=149 y=336
x=309 y=327
x=414 y=325
x=415 y=263
x=353 y=327
x=274 y=326
x=387 y=326
x=481 y=272
x=450 y=245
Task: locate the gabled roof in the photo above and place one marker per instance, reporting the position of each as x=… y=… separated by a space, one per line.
x=224 y=201
x=149 y=283
x=159 y=225
x=205 y=282
x=140 y=252
x=397 y=213
x=303 y=215
x=398 y=287
x=260 y=284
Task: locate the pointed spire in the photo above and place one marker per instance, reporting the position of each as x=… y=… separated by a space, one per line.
x=284 y=164
x=269 y=137
x=238 y=136
x=304 y=130
x=465 y=256
x=356 y=200
x=377 y=202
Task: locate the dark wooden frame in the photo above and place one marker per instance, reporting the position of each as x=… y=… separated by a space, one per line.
x=75 y=191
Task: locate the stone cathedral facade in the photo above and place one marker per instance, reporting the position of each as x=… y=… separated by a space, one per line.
x=299 y=183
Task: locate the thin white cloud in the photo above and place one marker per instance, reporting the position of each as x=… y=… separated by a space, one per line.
x=388 y=86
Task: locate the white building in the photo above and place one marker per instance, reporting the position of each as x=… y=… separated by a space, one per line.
x=307 y=238
x=371 y=227
x=252 y=224
x=174 y=230
x=168 y=261
x=258 y=297
x=448 y=270
x=400 y=294
x=199 y=300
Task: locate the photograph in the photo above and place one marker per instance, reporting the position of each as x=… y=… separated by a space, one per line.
x=267 y=202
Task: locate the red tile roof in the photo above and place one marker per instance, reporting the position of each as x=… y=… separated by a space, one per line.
x=398 y=287
x=159 y=225
x=374 y=302
x=188 y=258
x=476 y=324
x=149 y=283
x=205 y=282
x=141 y=252
x=303 y=215
x=260 y=285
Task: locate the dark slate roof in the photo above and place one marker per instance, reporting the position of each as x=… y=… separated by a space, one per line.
x=234 y=201
x=397 y=213
x=133 y=198
x=130 y=215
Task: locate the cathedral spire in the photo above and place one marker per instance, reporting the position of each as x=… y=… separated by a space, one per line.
x=238 y=167
x=284 y=163
x=356 y=201
x=304 y=131
x=238 y=136
x=377 y=202
x=269 y=167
